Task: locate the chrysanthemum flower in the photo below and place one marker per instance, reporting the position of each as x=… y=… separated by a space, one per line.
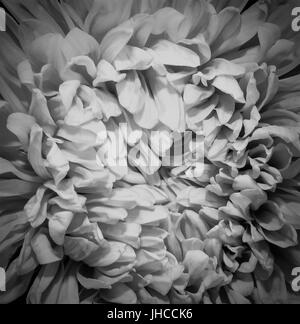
x=97 y=99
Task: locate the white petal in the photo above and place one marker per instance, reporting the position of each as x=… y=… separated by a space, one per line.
x=68 y=92
x=148 y=116
x=106 y=72
x=146 y=216
x=194 y=95
x=220 y=66
x=230 y=86
x=172 y=22
x=35 y=152
x=108 y=104
x=169 y=101
x=225 y=109
x=78 y=43
x=25 y=73
x=165 y=53
x=131 y=94
x=115 y=40
x=43 y=250
x=133 y=58
x=58 y=225
x=87 y=68
x=20 y=125
x=39 y=109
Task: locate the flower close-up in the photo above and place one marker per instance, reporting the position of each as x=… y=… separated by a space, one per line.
x=149 y=152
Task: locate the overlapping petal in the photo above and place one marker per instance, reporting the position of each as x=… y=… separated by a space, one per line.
x=149 y=151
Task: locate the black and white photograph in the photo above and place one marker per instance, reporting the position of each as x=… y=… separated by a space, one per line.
x=149 y=154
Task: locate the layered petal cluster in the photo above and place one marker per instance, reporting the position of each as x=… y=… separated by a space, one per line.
x=149 y=151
